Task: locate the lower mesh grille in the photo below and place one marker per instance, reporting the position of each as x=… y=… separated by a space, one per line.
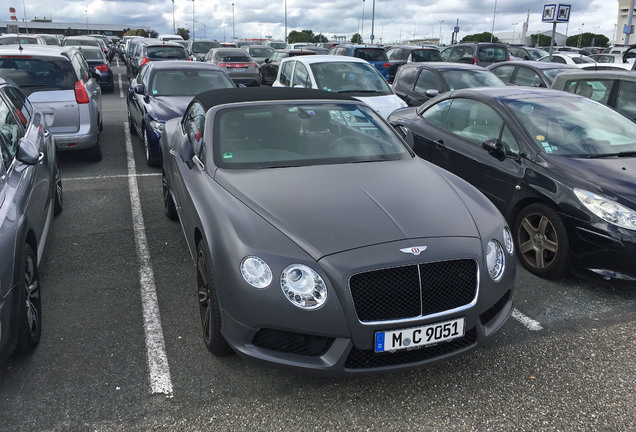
x=362 y=359
x=491 y=313
x=292 y=343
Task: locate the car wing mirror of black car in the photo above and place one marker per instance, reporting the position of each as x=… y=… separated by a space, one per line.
x=406 y=135
x=27 y=152
x=186 y=152
x=431 y=93
x=266 y=60
x=495 y=148
x=95 y=73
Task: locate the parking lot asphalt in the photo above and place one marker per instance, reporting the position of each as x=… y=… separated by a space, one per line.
x=565 y=362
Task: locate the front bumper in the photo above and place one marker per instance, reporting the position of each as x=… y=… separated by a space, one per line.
x=334 y=341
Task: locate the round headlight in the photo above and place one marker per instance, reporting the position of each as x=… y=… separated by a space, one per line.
x=508 y=243
x=256 y=272
x=303 y=286
x=495 y=260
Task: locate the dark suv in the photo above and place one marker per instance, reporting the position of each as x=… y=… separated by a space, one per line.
x=479 y=53
x=371 y=53
x=153 y=50
x=402 y=54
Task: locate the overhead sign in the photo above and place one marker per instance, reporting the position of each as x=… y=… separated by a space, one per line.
x=556 y=13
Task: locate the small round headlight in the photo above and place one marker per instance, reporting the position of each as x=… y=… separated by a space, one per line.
x=256 y=272
x=508 y=243
x=303 y=287
x=495 y=260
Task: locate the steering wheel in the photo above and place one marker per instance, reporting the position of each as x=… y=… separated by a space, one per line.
x=348 y=140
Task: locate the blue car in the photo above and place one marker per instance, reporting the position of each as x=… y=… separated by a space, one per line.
x=162 y=91
x=31 y=191
x=371 y=53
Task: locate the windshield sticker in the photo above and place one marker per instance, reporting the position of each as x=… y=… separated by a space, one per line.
x=540 y=138
x=228 y=155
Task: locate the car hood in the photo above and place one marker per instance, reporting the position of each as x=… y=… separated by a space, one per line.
x=166 y=107
x=611 y=177
x=332 y=208
x=383 y=105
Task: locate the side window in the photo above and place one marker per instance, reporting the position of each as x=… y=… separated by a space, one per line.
x=626 y=100
x=11 y=132
x=21 y=103
x=437 y=113
x=285 y=73
x=301 y=76
x=342 y=51
x=473 y=120
x=509 y=142
x=194 y=126
x=426 y=81
x=504 y=72
x=143 y=76
x=445 y=54
x=598 y=90
x=391 y=53
x=527 y=77
x=404 y=77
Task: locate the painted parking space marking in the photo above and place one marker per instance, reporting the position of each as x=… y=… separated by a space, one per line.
x=528 y=322
x=121 y=86
x=160 y=381
x=108 y=177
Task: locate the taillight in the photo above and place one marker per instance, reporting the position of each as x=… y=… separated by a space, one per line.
x=236 y=65
x=81 y=96
x=474 y=60
x=387 y=65
x=102 y=68
x=144 y=61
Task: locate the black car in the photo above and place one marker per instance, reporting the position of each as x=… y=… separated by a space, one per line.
x=149 y=51
x=418 y=82
x=529 y=73
x=99 y=63
x=560 y=167
x=269 y=68
x=477 y=53
x=197 y=49
x=400 y=55
x=526 y=53
x=161 y=91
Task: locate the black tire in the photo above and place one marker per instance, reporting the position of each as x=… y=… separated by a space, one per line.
x=30 y=304
x=59 y=196
x=94 y=154
x=144 y=139
x=131 y=125
x=168 y=203
x=542 y=241
x=209 y=305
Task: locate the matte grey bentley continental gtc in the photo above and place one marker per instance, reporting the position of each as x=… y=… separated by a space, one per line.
x=323 y=243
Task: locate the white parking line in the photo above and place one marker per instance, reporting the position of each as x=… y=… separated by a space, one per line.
x=107 y=177
x=121 y=86
x=528 y=322
x=160 y=381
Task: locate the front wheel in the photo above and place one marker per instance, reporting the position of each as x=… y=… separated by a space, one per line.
x=59 y=198
x=149 y=160
x=209 y=305
x=542 y=241
x=30 y=305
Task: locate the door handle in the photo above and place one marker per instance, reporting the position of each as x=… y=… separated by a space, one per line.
x=439 y=144
x=173 y=152
x=46 y=133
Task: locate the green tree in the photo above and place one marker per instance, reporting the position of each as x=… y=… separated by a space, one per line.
x=480 y=37
x=184 y=33
x=320 y=38
x=540 y=40
x=300 y=36
x=585 y=40
x=356 y=38
x=153 y=34
x=70 y=32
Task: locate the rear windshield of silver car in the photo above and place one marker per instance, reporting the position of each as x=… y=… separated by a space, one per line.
x=291 y=135
x=34 y=73
x=163 y=51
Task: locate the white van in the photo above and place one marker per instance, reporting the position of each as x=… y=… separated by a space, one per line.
x=169 y=37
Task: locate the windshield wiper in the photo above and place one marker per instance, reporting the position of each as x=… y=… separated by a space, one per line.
x=360 y=91
x=619 y=154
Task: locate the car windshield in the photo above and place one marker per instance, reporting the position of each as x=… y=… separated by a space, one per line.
x=166 y=51
x=371 y=54
x=537 y=53
x=187 y=82
x=459 y=79
x=90 y=54
x=426 y=55
x=284 y=134
x=575 y=126
x=349 y=77
x=261 y=51
x=81 y=42
x=13 y=40
x=204 y=47
x=492 y=54
x=34 y=74
x=278 y=45
x=551 y=74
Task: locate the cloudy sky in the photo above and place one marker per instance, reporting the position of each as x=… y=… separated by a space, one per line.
x=394 y=19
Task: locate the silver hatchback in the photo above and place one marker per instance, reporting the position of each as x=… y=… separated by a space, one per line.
x=61 y=85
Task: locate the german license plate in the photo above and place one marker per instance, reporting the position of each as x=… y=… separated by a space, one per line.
x=237 y=69
x=414 y=337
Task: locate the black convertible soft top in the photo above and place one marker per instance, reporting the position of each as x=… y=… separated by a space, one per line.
x=213 y=98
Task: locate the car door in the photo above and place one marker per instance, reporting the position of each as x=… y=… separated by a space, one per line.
x=528 y=77
x=137 y=101
x=454 y=142
x=504 y=72
x=301 y=77
x=427 y=79
x=626 y=98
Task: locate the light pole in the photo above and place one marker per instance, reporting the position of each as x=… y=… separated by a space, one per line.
x=440 y=32
x=205 y=32
x=174 y=27
x=193 y=20
x=372 y=22
x=233 y=34
x=26 y=26
x=86 y=12
x=285 y=22
x=492 y=33
x=578 y=45
x=514 y=27
x=362 y=34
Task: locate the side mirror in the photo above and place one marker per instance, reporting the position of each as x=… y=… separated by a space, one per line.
x=267 y=60
x=406 y=134
x=186 y=152
x=27 y=152
x=495 y=148
x=139 y=89
x=431 y=93
x=95 y=73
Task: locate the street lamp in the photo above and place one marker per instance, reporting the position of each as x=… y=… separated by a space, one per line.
x=233 y=34
x=494 y=12
x=86 y=12
x=372 y=22
x=440 y=32
x=578 y=45
x=174 y=27
x=193 y=20
x=362 y=34
x=205 y=32
x=514 y=27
